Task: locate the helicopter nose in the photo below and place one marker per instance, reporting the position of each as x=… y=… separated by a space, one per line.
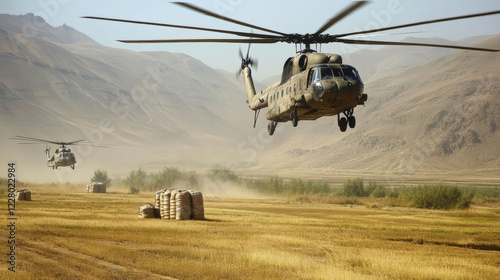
x=349 y=91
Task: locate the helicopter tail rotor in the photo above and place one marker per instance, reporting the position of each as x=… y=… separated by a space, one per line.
x=246 y=61
x=47 y=151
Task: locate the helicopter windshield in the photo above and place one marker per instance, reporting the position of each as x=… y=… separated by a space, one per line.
x=324 y=72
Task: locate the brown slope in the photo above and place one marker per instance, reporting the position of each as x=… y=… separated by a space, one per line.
x=392 y=60
x=163 y=108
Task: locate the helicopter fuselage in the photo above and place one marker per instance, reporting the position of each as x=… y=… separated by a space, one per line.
x=62 y=157
x=313 y=85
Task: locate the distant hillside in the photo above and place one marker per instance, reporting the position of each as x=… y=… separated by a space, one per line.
x=392 y=60
x=157 y=108
x=35 y=27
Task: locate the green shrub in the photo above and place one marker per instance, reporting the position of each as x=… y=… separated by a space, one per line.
x=379 y=192
x=164 y=179
x=437 y=197
x=464 y=201
x=353 y=187
x=392 y=193
x=219 y=173
x=101 y=176
x=136 y=180
x=134 y=190
x=276 y=185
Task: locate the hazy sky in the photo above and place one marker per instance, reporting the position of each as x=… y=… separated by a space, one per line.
x=285 y=16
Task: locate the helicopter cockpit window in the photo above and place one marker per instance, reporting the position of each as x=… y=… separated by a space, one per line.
x=351 y=72
x=326 y=73
x=316 y=75
x=337 y=72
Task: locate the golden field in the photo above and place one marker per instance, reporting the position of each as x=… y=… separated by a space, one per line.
x=68 y=234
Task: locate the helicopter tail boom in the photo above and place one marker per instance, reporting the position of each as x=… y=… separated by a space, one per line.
x=255 y=101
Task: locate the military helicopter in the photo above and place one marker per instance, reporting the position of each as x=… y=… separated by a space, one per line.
x=63 y=155
x=312 y=84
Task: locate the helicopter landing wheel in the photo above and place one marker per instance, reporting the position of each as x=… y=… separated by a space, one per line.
x=73 y=167
x=295 y=119
x=352 y=121
x=343 y=124
x=271 y=127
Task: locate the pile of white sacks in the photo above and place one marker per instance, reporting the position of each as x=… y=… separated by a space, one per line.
x=96 y=187
x=23 y=194
x=174 y=204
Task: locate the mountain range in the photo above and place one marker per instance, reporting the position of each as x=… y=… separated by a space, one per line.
x=428 y=112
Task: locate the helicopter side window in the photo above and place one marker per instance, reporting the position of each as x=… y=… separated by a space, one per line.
x=309 y=78
x=326 y=73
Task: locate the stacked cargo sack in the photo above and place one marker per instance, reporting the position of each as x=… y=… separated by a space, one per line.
x=183 y=205
x=23 y=194
x=165 y=204
x=96 y=187
x=147 y=211
x=197 y=209
x=174 y=204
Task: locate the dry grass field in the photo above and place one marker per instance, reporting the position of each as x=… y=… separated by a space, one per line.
x=67 y=234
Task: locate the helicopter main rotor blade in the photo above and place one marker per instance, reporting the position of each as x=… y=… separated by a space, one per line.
x=418 y=23
x=208 y=13
x=73 y=142
x=92 y=145
x=388 y=43
x=243 y=34
x=24 y=138
x=29 y=143
x=340 y=16
x=257 y=41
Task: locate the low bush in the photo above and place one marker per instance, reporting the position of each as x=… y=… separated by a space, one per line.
x=354 y=187
x=220 y=173
x=277 y=185
x=440 y=197
x=379 y=192
x=101 y=176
